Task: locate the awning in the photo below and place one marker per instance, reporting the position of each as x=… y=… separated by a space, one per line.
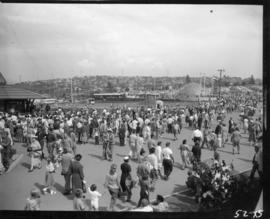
x=13 y=92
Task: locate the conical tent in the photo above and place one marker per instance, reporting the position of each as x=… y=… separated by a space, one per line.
x=189 y=90
x=2 y=79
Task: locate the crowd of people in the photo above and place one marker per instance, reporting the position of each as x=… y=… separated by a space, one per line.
x=54 y=135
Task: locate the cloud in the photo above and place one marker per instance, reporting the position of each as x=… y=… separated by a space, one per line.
x=86 y=64
x=104 y=38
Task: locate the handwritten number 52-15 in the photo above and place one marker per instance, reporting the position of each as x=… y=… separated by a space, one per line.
x=255 y=214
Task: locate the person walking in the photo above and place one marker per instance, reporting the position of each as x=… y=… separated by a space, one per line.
x=132 y=145
x=49 y=179
x=206 y=133
x=122 y=133
x=113 y=186
x=231 y=127
x=139 y=146
x=51 y=141
x=110 y=145
x=66 y=169
x=197 y=135
x=235 y=139
x=6 y=151
x=77 y=173
x=196 y=150
x=184 y=152
x=126 y=177
x=168 y=160
x=94 y=197
x=153 y=160
x=218 y=132
x=257 y=163
x=175 y=130
x=251 y=133
x=144 y=184
x=79 y=129
x=158 y=151
x=35 y=154
x=105 y=140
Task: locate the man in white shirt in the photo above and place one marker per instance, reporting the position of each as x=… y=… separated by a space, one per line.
x=159 y=154
x=170 y=122
x=152 y=159
x=197 y=135
x=168 y=160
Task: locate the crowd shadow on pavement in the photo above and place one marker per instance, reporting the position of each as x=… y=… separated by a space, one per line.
x=167 y=138
x=228 y=152
x=246 y=160
x=120 y=155
x=179 y=188
x=182 y=201
x=61 y=189
x=26 y=165
x=178 y=165
x=96 y=156
x=40 y=187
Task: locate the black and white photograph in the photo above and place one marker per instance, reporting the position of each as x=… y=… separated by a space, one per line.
x=132 y=108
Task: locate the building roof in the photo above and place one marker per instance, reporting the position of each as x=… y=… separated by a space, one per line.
x=13 y=92
x=109 y=94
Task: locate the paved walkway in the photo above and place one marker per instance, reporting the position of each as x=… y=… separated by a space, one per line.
x=15 y=185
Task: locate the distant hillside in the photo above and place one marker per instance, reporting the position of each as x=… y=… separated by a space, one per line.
x=85 y=87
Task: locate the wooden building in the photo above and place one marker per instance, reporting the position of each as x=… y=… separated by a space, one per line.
x=18 y=99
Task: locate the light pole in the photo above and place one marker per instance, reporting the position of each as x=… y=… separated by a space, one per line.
x=220 y=74
x=71 y=90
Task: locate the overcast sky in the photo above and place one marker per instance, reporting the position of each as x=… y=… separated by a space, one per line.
x=44 y=41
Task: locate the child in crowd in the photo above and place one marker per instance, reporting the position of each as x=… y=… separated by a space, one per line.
x=96 y=134
x=33 y=202
x=94 y=197
x=49 y=179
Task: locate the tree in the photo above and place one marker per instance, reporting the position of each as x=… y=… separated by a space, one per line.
x=110 y=87
x=188 y=80
x=252 y=80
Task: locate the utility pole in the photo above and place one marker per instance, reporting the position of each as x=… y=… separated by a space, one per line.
x=200 y=84
x=204 y=84
x=71 y=90
x=220 y=75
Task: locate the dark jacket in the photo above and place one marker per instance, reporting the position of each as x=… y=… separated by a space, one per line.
x=77 y=175
x=196 y=150
x=66 y=163
x=126 y=169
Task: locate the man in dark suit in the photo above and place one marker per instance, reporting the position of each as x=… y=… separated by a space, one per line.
x=126 y=179
x=257 y=163
x=77 y=173
x=66 y=171
x=196 y=150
